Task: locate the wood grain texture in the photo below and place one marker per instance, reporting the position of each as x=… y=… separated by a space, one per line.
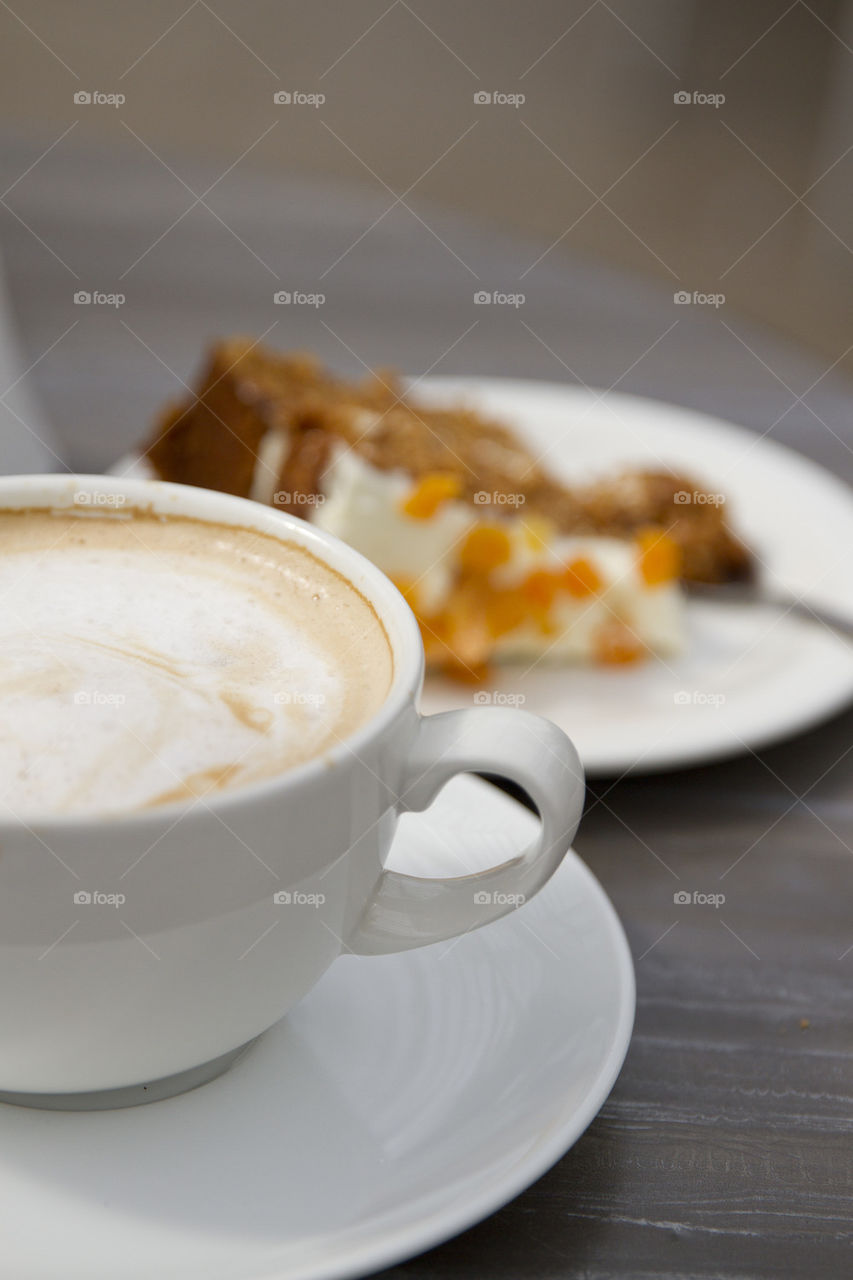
x=726 y=1149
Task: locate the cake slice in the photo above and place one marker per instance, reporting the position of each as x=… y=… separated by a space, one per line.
x=497 y=558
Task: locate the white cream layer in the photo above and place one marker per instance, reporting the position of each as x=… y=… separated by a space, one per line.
x=363 y=507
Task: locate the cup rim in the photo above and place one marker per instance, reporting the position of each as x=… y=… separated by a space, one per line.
x=61 y=491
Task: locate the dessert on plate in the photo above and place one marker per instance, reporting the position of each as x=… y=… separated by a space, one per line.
x=498 y=559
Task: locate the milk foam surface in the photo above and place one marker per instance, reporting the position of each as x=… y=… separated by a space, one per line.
x=148 y=660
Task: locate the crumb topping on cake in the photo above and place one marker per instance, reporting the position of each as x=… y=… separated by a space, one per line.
x=248 y=391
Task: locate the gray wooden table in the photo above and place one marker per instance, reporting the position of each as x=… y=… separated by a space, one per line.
x=726 y=1149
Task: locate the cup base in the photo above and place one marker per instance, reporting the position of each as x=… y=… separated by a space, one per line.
x=132 y=1095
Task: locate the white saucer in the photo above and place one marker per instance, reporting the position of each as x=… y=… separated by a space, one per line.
x=748 y=677
x=406 y=1098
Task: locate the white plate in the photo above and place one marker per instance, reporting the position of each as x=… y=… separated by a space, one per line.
x=748 y=677
x=406 y=1098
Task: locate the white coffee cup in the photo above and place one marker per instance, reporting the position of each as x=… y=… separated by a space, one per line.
x=152 y=946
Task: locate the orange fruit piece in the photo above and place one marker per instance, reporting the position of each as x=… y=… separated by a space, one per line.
x=428 y=494
x=486 y=547
x=540 y=588
x=505 y=610
x=659 y=556
x=581 y=578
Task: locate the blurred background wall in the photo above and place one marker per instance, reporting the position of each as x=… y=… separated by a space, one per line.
x=746 y=188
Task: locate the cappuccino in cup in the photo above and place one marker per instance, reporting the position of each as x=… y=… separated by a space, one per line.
x=209 y=727
x=150 y=659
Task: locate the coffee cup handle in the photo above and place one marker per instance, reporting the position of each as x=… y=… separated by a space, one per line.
x=410 y=911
